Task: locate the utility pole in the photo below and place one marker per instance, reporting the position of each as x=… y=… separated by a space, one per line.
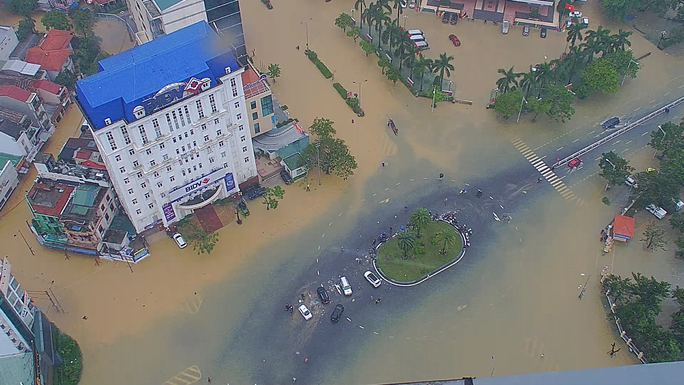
x=26 y=242
x=318 y=161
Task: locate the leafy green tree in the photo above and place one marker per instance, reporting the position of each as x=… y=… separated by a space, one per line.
x=26 y=27
x=420 y=218
x=406 y=240
x=383 y=63
x=334 y=157
x=92 y=68
x=617 y=9
x=323 y=128
x=367 y=47
x=447 y=237
x=538 y=107
x=624 y=63
x=344 y=21
x=359 y=5
x=201 y=241
x=559 y=102
x=411 y=59
x=508 y=81
x=654 y=237
x=677 y=222
x=655 y=187
x=273 y=71
x=367 y=15
x=23 y=7
x=66 y=78
x=442 y=65
x=393 y=75
x=528 y=82
x=614 y=168
x=83 y=20
x=56 y=19
x=673 y=137
x=272 y=195
x=673 y=166
x=601 y=76
x=509 y=103
x=354 y=33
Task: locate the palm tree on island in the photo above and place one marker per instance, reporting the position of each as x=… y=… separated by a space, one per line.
x=420 y=218
x=509 y=78
x=406 y=240
x=441 y=65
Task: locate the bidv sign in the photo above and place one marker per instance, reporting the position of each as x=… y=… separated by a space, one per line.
x=195 y=185
x=169 y=94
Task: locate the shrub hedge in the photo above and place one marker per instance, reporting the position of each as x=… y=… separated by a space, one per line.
x=341 y=90
x=321 y=67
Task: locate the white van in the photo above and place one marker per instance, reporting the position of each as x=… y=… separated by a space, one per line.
x=417 y=37
x=414 y=32
x=657 y=211
x=346 y=287
x=504 y=27
x=422 y=45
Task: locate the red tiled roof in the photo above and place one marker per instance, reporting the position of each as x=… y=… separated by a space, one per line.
x=47 y=86
x=56 y=208
x=52 y=52
x=251 y=83
x=15 y=93
x=82 y=154
x=623 y=226
x=91 y=164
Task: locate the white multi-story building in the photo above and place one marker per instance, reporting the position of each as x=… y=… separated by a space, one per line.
x=170 y=122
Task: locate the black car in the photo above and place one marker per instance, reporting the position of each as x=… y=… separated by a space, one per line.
x=446 y=17
x=255 y=193
x=542 y=34
x=337 y=313
x=610 y=123
x=323 y=295
x=285 y=176
x=454 y=19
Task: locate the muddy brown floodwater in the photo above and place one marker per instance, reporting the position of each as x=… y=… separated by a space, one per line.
x=516 y=301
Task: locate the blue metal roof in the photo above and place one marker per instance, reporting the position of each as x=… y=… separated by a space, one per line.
x=124 y=79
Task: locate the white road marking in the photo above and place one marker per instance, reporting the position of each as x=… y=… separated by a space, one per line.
x=682 y=86
x=575 y=141
x=645 y=133
x=375 y=194
x=626 y=149
x=411 y=180
x=616 y=142
x=652 y=101
x=592 y=132
x=387 y=189
x=598 y=158
x=629 y=142
x=665 y=94
x=543 y=157
x=559 y=148
x=329 y=224
x=637 y=109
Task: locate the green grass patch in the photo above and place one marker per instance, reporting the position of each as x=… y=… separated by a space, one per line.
x=606 y=201
x=424 y=259
x=69 y=373
x=321 y=67
x=340 y=90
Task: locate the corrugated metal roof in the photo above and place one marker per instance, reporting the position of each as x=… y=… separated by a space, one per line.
x=85 y=195
x=17 y=369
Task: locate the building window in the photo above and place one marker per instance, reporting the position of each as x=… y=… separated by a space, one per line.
x=143 y=134
x=233 y=86
x=175 y=120
x=252 y=104
x=139 y=174
x=237 y=104
x=131 y=152
x=200 y=112
x=180 y=115
x=168 y=121
x=217 y=121
x=153 y=163
x=183 y=172
x=238 y=116
x=110 y=139
x=241 y=127
x=223 y=154
x=221 y=144
x=134 y=201
x=194 y=168
x=175 y=140
x=156 y=174
x=244 y=149
x=177 y=151
x=122 y=169
x=102 y=207
x=143 y=185
x=124 y=133
x=107 y=217
x=186 y=134
x=199 y=165
x=247 y=159
x=151 y=205
x=163 y=195
x=206 y=138
x=194 y=143
x=161 y=146
x=138 y=211
x=159 y=184
x=192 y=132
x=169 y=168
x=242 y=138
x=204 y=127
x=266 y=105
x=127 y=181
x=148 y=151
x=130 y=191
x=187 y=114
x=117 y=158
x=111 y=207
x=107 y=198
x=256 y=128
x=212 y=103
x=135 y=164
x=157 y=129
x=255 y=115
x=218 y=132
x=100 y=229
x=147 y=195
x=209 y=150
x=211 y=160
x=183 y=148
x=173 y=178
x=225 y=165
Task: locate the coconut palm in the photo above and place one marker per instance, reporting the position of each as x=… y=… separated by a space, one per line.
x=544 y=75
x=360 y=4
x=367 y=15
x=577 y=55
x=421 y=67
x=528 y=82
x=384 y=4
x=420 y=218
x=509 y=78
x=619 y=40
x=590 y=47
x=404 y=46
x=446 y=237
x=575 y=32
x=411 y=59
x=381 y=19
x=406 y=240
x=399 y=8
x=392 y=34
x=443 y=65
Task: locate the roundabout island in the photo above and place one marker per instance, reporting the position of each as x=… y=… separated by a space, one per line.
x=428 y=247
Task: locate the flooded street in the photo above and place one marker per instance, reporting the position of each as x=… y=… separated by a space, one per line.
x=511 y=306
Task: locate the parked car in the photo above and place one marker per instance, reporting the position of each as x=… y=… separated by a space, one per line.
x=403 y=3
x=568 y=23
x=678 y=204
x=255 y=193
x=585 y=21
x=454 y=19
x=285 y=176
x=504 y=27
x=610 y=123
x=446 y=17
x=657 y=211
x=346 y=287
x=305 y=312
x=336 y=313
x=576 y=14
x=526 y=30
x=323 y=295
x=180 y=241
x=412 y=4
x=542 y=34
x=372 y=278
x=454 y=40
x=629 y=181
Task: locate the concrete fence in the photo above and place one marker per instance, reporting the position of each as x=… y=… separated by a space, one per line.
x=632 y=348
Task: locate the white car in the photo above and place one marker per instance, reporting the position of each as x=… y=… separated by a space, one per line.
x=403 y=4
x=629 y=181
x=577 y=14
x=657 y=212
x=346 y=287
x=585 y=20
x=305 y=312
x=179 y=240
x=412 y=4
x=372 y=278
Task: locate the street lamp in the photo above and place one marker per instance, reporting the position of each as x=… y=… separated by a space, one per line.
x=360 y=83
x=661 y=140
x=522 y=100
x=405 y=17
x=306 y=28
x=662 y=36
x=611 y=163
x=318 y=161
x=625 y=75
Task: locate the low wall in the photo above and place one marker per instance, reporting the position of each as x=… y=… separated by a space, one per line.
x=632 y=348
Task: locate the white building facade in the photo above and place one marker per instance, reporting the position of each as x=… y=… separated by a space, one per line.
x=188 y=138
x=17 y=314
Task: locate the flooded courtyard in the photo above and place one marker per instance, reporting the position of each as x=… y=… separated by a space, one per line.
x=510 y=306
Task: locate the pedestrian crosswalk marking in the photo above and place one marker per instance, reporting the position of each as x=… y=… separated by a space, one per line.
x=186 y=377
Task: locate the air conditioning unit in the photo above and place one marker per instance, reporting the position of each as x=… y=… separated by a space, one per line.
x=108 y=121
x=228 y=70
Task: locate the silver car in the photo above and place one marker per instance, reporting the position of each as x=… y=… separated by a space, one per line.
x=372 y=278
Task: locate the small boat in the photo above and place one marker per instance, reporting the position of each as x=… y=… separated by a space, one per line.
x=390 y=123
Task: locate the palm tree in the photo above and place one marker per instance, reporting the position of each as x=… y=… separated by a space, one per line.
x=410 y=59
x=575 y=33
x=442 y=65
x=420 y=217
x=384 y=4
x=422 y=66
x=399 y=8
x=543 y=74
x=380 y=19
x=576 y=55
x=360 y=4
x=509 y=77
x=404 y=46
x=590 y=47
x=406 y=241
x=392 y=33
x=620 y=40
x=528 y=82
x=367 y=15
x=446 y=236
